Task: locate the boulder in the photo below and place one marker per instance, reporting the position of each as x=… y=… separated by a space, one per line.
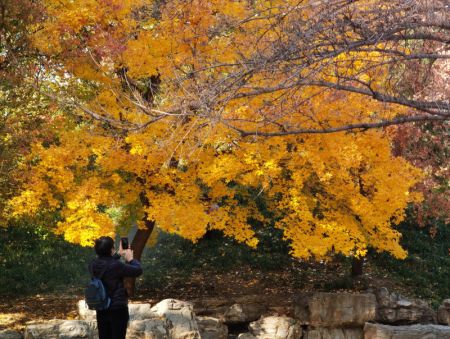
x=246 y=335
x=243 y=313
x=334 y=333
x=211 y=307
x=137 y=311
x=379 y=331
x=182 y=324
x=75 y=329
x=276 y=328
x=48 y=330
x=84 y=313
x=393 y=308
x=335 y=309
x=61 y=329
x=10 y=334
x=148 y=329
x=443 y=314
x=216 y=307
x=141 y=312
x=211 y=328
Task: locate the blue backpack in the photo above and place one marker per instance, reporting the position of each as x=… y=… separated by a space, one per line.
x=95 y=293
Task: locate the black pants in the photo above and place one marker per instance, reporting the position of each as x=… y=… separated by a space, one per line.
x=112 y=324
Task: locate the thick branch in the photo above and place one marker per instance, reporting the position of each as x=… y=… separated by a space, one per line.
x=344 y=128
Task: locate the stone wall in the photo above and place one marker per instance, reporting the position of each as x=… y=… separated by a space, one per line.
x=380 y=315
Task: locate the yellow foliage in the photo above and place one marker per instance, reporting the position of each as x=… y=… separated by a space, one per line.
x=334 y=193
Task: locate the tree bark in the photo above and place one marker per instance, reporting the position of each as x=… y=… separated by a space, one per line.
x=138 y=245
x=357 y=267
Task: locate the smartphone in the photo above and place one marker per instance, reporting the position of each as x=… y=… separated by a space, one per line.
x=124 y=242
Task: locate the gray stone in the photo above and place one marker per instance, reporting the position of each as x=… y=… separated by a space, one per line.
x=211 y=307
x=137 y=311
x=443 y=313
x=276 y=328
x=379 y=331
x=10 y=334
x=334 y=333
x=148 y=329
x=182 y=324
x=84 y=312
x=217 y=306
x=93 y=326
x=404 y=303
x=141 y=312
x=48 y=330
x=335 y=309
x=211 y=328
x=395 y=309
x=243 y=313
x=246 y=335
x=74 y=329
x=62 y=329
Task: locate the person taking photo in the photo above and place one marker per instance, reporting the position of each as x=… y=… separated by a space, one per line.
x=112 y=322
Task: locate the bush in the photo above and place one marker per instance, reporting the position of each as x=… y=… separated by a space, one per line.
x=426 y=270
x=175 y=256
x=34 y=260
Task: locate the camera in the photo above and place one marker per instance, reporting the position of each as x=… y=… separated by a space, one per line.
x=124 y=242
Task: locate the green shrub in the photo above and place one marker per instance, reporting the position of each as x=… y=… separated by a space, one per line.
x=426 y=270
x=34 y=260
x=175 y=256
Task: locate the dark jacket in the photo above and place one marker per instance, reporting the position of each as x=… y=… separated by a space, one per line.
x=113 y=277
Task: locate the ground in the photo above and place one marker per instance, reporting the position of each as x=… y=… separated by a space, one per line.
x=276 y=287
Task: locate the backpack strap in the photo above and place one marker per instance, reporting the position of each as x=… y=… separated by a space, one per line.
x=91 y=271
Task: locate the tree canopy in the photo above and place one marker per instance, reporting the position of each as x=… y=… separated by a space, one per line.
x=183 y=113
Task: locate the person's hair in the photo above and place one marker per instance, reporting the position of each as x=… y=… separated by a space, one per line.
x=103 y=246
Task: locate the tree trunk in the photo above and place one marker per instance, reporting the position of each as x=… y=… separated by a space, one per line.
x=138 y=245
x=357 y=267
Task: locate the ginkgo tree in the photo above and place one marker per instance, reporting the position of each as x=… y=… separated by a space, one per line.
x=183 y=112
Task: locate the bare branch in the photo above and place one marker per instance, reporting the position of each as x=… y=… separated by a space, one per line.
x=344 y=128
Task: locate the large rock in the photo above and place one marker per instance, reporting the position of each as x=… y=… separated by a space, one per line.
x=393 y=308
x=216 y=307
x=334 y=333
x=246 y=335
x=335 y=309
x=379 y=331
x=443 y=314
x=61 y=329
x=211 y=307
x=211 y=328
x=10 y=334
x=243 y=313
x=141 y=312
x=48 y=330
x=276 y=328
x=84 y=313
x=137 y=311
x=75 y=329
x=148 y=329
x=182 y=324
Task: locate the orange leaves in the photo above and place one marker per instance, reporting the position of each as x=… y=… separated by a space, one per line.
x=330 y=193
x=146 y=55
x=223 y=66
